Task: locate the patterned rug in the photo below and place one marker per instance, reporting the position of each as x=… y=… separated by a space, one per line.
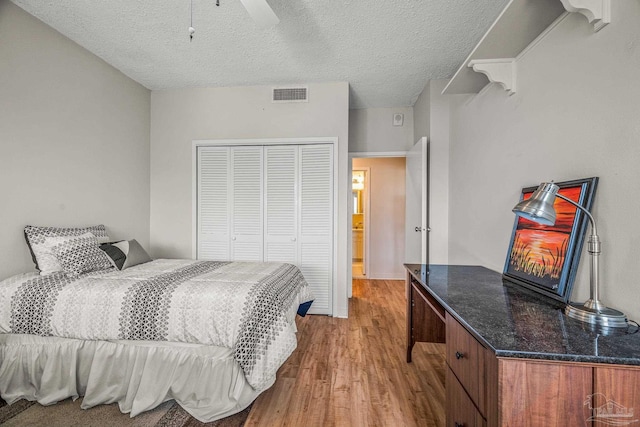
x=68 y=413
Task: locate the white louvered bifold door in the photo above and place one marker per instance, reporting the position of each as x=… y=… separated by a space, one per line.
x=280 y=204
x=316 y=223
x=269 y=203
x=213 y=203
x=246 y=220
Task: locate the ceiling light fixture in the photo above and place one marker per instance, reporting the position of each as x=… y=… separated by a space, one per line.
x=191 y=29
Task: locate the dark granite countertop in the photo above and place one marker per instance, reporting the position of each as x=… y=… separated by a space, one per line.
x=516 y=322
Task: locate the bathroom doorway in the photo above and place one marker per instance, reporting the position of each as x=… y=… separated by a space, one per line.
x=360 y=230
x=378 y=217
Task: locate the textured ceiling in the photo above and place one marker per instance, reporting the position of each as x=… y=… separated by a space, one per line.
x=386 y=50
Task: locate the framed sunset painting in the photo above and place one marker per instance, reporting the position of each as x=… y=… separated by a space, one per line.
x=545 y=258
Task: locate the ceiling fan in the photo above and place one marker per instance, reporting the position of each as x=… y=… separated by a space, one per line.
x=259 y=10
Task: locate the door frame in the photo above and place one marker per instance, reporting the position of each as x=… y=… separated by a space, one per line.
x=359 y=155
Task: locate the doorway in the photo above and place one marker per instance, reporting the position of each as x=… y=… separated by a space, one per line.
x=360 y=224
x=378 y=217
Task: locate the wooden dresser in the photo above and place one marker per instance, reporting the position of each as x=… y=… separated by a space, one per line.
x=514 y=359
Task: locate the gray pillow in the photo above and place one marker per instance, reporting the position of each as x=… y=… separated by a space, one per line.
x=125 y=253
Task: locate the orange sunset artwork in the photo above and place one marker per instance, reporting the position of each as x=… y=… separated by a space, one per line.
x=539 y=251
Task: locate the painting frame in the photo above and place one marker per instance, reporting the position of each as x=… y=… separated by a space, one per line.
x=545 y=258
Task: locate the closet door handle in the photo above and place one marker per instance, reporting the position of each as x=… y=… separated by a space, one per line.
x=233 y=238
x=293 y=239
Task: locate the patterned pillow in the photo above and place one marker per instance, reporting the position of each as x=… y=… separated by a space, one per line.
x=41 y=253
x=79 y=254
x=126 y=253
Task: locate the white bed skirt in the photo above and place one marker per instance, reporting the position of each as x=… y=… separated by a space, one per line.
x=139 y=375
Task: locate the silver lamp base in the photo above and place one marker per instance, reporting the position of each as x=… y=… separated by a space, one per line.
x=604 y=317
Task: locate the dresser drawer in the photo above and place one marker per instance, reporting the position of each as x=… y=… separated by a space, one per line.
x=466 y=358
x=461 y=412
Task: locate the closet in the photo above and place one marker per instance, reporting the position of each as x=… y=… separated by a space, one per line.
x=269 y=203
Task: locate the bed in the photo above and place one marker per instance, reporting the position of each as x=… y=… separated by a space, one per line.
x=208 y=334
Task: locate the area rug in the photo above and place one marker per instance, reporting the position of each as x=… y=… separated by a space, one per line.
x=69 y=413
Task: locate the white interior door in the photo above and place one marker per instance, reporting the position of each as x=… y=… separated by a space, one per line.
x=417 y=204
x=213 y=203
x=280 y=204
x=246 y=220
x=271 y=203
x=316 y=223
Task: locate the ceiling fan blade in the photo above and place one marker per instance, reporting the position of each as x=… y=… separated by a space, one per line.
x=261 y=12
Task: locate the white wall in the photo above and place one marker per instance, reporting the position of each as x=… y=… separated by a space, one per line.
x=431 y=119
x=180 y=116
x=439 y=173
x=422 y=114
x=576 y=114
x=74 y=139
x=372 y=130
x=386 y=216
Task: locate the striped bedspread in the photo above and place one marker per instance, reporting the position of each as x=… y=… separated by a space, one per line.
x=249 y=307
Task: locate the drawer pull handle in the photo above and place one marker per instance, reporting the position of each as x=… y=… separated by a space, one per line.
x=459 y=356
x=458 y=424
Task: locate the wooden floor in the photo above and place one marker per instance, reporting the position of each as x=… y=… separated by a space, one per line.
x=353 y=372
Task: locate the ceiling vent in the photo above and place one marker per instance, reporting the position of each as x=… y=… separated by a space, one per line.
x=290 y=94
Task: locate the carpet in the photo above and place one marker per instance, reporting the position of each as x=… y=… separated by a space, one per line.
x=69 y=413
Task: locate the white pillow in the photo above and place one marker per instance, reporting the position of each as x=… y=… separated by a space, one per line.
x=41 y=253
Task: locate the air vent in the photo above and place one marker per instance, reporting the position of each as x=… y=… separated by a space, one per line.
x=290 y=94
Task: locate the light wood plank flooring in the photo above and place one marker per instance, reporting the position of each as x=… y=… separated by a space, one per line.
x=353 y=372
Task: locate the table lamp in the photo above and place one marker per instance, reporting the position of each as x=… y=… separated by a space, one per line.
x=539 y=208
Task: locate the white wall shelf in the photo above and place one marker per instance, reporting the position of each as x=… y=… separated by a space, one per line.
x=598 y=12
x=519 y=24
x=502 y=71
